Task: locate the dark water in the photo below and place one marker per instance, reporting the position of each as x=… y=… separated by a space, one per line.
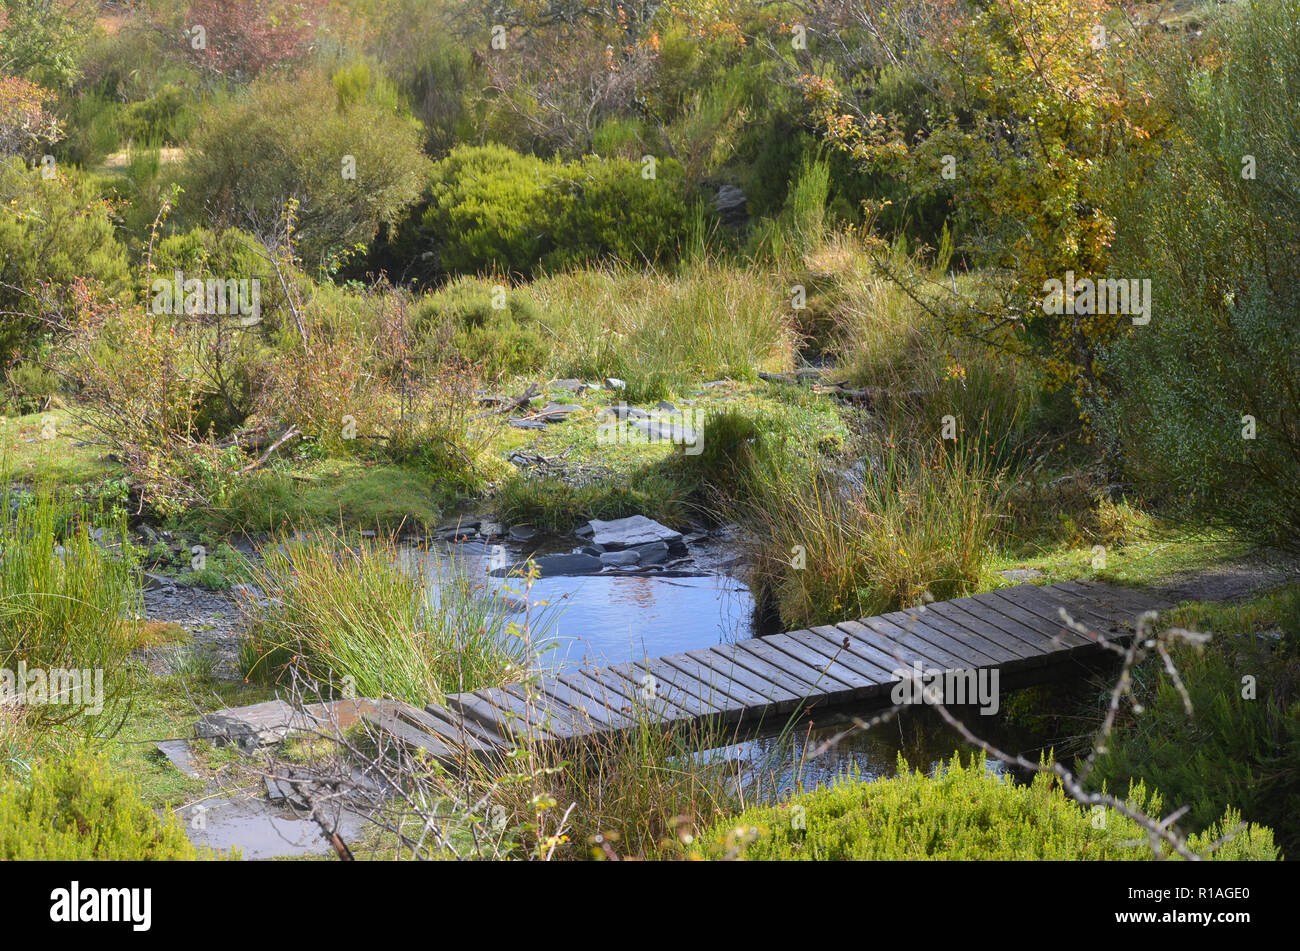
x=613 y=618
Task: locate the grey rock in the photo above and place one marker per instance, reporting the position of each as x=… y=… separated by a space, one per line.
x=551 y=566
x=1021 y=574
x=178 y=751
x=655 y=553
x=491 y=529
x=584 y=531
x=153 y=582
x=632 y=531
x=622 y=559
x=527 y=423
x=521 y=533
x=614 y=383
x=731 y=205
x=623 y=411
x=558 y=412
x=666 y=406
x=663 y=431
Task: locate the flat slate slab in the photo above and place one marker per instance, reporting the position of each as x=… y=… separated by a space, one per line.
x=630 y=532
x=263 y=724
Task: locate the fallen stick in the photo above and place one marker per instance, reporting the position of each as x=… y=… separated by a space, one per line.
x=284 y=437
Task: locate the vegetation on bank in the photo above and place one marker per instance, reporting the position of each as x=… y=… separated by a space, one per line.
x=432 y=229
x=960 y=812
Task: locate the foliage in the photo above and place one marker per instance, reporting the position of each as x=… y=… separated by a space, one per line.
x=1202 y=408
x=904 y=524
x=244 y=38
x=1231 y=748
x=66 y=602
x=53 y=233
x=75 y=809
x=380 y=621
x=1034 y=107
x=495 y=209
x=42 y=40
x=962 y=812
x=291 y=140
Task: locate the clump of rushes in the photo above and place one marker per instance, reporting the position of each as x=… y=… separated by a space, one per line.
x=380 y=619
x=66 y=601
x=875 y=539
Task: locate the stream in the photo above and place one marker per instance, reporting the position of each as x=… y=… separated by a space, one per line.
x=610 y=618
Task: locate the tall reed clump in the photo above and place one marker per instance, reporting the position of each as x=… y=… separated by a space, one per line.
x=875 y=538
x=66 y=601
x=660 y=330
x=399 y=623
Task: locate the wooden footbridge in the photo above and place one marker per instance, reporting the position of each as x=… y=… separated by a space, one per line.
x=765 y=680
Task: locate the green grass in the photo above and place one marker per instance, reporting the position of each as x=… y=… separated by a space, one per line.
x=30 y=458
x=65 y=602
x=377 y=621
x=1240 y=744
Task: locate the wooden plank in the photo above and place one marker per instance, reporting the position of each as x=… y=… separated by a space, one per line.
x=865 y=679
x=821 y=682
x=1001 y=647
x=1081 y=609
x=688 y=693
x=594 y=709
x=859 y=647
x=974 y=617
x=410 y=736
x=657 y=707
x=730 y=653
x=450 y=734
x=560 y=719
x=501 y=711
x=890 y=638
x=1025 y=632
x=964 y=649
x=751 y=701
x=612 y=703
x=802 y=652
x=1006 y=608
x=621 y=695
x=469 y=725
x=1110 y=593
x=957 y=623
x=841 y=654
x=1129 y=608
x=779 y=698
x=1049 y=608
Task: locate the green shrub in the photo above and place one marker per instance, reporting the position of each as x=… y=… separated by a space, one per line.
x=502 y=341
x=606 y=209
x=54 y=232
x=74 y=809
x=493 y=209
x=288 y=139
x=1231 y=749
x=961 y=813
x=1223 y=343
